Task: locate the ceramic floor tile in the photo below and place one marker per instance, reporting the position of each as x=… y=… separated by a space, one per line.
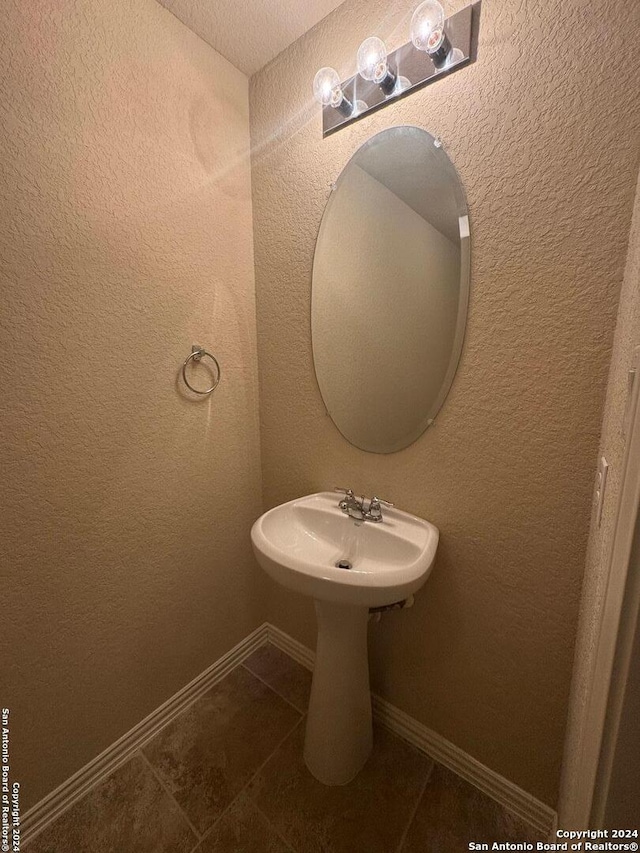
x=127 y=813
x=452 y=813
x=370 y=814
x=210 y=752
x=278 y=670
x=243 y=830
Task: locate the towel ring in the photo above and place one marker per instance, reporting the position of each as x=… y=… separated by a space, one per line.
x=197 y=353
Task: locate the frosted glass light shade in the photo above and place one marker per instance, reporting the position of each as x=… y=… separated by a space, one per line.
x=327 y=89
x=427 y=26
x=372 y=60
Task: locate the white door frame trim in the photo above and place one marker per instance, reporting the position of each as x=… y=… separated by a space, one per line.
x=575 y=808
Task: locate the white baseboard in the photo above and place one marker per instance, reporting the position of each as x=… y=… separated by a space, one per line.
x=509 y=795
x=292 y=647
x=536 y=813
x=54 y=804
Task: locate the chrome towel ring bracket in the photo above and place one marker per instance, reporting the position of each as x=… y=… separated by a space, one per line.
x=197 y=354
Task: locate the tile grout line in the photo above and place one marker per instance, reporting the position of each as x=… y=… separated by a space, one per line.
x=275 y=830
x=273 y=689
x=249 y=781
x=197 y=847
x=414 y=810
x=169 y=794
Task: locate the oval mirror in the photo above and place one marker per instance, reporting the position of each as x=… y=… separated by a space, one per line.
x=390 y=289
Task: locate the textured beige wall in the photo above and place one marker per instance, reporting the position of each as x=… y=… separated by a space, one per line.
x=612 y=444
x=544 y=131
x=125 y=237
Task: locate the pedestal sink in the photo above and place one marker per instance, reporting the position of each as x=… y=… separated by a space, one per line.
x=310 y=546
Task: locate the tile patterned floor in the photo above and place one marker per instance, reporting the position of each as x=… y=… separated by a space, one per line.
x=227 y=776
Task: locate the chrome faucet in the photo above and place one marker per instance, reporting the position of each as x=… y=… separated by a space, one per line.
x=355 y=507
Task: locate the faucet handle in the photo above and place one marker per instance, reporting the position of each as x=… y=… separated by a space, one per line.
x=375 y=501
x=347 y=492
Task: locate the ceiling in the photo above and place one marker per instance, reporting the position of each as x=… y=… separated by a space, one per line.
x=250 y=33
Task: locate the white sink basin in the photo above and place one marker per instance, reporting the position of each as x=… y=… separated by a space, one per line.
x=300 y=543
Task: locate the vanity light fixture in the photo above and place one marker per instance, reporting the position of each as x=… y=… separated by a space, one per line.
x=437 y=46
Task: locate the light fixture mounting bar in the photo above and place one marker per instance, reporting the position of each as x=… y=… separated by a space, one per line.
x=407 y=62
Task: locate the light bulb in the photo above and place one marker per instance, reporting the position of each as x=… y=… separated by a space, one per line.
x=327 y=89
x=372 y=60
x=427 y=26
x=373 y=66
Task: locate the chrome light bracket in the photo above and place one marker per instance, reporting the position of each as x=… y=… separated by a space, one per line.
x=410 y=63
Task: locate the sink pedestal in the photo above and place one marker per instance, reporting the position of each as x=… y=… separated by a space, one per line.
x=303 y=545
x=339 y=735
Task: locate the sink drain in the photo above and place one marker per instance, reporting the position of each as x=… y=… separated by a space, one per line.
x=343 y=564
